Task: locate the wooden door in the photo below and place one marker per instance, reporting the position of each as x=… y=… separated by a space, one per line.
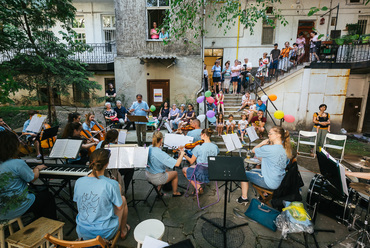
x=158 y=93
x=306 y=27
x=351 y=114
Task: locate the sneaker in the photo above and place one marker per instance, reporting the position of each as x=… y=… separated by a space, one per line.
x=239 y=110
x=243 y=142
x=240 y=200
x=38 y=157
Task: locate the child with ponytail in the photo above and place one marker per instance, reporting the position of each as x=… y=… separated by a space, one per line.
x=101 y=208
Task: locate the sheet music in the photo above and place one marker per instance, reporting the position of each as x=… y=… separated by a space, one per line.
x=236 y=141
x=65 y=148
x=36 y=123
x=150 y=242
x=228 y=142
x=252 y=134
x=114 y=158
x=343 y=178
x=126 y=156
x=176 y=140
x=141 y=157
x=122 y=136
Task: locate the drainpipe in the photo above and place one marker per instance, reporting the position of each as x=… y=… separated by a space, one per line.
x=329 y=21
x=237 y=38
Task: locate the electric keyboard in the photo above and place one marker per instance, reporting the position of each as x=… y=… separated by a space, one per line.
x=68 y=171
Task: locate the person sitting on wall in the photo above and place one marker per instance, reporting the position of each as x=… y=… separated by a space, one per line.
x=110 y=94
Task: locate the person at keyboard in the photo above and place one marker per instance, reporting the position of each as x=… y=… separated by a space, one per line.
x=102 y=210
x=20 y=174
x=72 y=131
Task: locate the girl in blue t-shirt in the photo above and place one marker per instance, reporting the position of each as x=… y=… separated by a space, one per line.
x=101 y=208
x=275 y=152
x=200 y=155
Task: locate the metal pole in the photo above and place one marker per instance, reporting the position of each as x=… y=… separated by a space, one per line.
x=202 y=52
x=336 y=21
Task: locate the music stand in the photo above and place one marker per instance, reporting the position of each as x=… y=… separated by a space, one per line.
x=225 y=169
x=137 y=118
x=47 y=134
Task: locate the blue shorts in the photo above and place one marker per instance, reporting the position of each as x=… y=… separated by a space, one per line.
x=274 y=64
x=234 y=79
x=243 y=130
x=255 y=176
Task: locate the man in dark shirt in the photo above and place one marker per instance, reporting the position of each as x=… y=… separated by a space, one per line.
x=258 y=122
x=274 y=56
x=121 y=112
x=110 y=94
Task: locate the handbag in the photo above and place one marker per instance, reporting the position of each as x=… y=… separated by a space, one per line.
x=262 y=214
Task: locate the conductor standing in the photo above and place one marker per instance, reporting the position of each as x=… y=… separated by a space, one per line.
x=140 y=108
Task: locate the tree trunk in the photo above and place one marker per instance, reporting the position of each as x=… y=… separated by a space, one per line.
x=52 y=116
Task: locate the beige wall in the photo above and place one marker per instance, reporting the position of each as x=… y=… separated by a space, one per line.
x=301 y=93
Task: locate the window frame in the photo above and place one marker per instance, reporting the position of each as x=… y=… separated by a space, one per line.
x=348 y=2
x=113 y=29
x=80 y=30
x=273 y=29
x=147 y=17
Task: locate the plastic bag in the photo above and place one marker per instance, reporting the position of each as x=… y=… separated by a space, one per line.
x=294 y=219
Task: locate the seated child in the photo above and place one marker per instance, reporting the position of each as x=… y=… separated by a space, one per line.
x=230 y=123
x=242 y=125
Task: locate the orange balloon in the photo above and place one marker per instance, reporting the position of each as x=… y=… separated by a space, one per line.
x=272 y=97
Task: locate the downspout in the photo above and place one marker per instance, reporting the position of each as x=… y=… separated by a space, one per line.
x=237 y=38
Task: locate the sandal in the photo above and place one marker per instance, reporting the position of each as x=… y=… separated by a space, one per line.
x=128 y=228
x=179 y=195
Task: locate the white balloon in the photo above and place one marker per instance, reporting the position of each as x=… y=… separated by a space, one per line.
x=201 y=118
x=264 y=98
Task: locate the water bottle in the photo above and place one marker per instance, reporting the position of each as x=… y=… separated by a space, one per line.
x=248 y=154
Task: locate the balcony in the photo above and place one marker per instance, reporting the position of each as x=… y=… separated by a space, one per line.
x=99 y=57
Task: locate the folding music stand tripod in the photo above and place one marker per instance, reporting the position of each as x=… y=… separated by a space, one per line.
x=47 y=134
x=225 y=169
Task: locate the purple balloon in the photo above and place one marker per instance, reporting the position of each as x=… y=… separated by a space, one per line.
x=210 y=113
x=200 y=99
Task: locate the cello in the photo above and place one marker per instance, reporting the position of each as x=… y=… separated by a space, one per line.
x=100 y=131
x=87 y=135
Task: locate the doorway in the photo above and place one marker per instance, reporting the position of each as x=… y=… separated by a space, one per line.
x=306 y=27
x=158 y=93
x=351 y=114
x=210 y=57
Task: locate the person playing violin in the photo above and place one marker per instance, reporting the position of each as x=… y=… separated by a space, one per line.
x=4 y=126
x=197 y=130
x=200 y=156
x=31 y=136
x=72 y=131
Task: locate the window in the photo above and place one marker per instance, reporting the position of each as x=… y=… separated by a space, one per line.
x=78 y=25
x=79 y=95
x=333 y=21
x=355 y=1
x=109 y=28
x=364 y=24
x=156 y=13
x=268 y=33
x=43 y=96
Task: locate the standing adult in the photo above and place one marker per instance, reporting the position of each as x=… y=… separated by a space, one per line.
x=274 y=56
x=235 y=72
x=154 y=32
x=321 y=121
x=110 y=93
x=275 y=152
x=216 y=70
x=140 y=108
x=314 y=46
x=284 y=55
x=301 y=41
x=205 y=77
x=227 y=77
x=121 y=112
x=246 y=69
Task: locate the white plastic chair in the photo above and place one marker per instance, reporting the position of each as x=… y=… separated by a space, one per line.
x=307 y=135
x=336 y=137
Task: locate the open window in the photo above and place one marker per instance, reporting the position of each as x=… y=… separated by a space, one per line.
x=156 y=13
x=78 y=25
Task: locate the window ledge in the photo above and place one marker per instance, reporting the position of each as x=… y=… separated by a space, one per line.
x=157 y=40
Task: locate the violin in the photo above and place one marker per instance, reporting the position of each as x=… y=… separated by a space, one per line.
x=87 y=135
x=187 y=128
x=48 y=143
x=190 y=146
x=100 y=131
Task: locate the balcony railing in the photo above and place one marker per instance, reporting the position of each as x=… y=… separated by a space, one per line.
x=100 y=53
x=353 y=53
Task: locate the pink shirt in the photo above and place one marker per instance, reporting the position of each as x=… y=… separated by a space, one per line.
x=235 y=74
x=154 y=36
x=301 y=42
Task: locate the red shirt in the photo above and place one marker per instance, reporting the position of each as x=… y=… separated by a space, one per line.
x=256 y=121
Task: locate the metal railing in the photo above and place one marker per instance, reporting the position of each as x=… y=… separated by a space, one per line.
x=352 y=53
x=100 y=53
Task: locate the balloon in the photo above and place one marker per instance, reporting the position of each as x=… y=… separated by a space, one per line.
x=279 y=114
x=213 y=119
x=289 y=118
x=208 y=93
x=264 y=98
x=200 y=99
x=210 y=113
x=201 y=118
x=210 y=100
x=272 y=97
x=152 y=108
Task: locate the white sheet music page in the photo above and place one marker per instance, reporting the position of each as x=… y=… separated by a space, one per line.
x=36 y=123
x=236 y=141
x=126 y=157
x=252 y=134
x=176 y=140
x=228 y=142
x=141 y=157
x=114 y=156
x=58 y=148
x=72 y=148
x=122 y=136
x=343 y=178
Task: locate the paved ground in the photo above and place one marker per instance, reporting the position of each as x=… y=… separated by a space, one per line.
x=182 y=217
